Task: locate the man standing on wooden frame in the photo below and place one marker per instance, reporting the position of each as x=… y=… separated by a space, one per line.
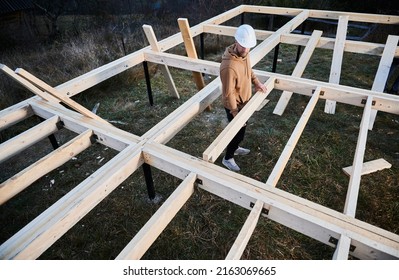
x=237 y=75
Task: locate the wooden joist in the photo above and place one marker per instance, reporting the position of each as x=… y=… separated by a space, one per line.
x=354 y=182
x=224 y=138
x=15 y=114
x=383 y=70
x=294 y=138
x=245 y=234
x=340 y=93
x=28 y=138
x=266 y=46
x=158 y=222
x=336 y=65
x=110 y=136
x=26 y=177
x=298 y=71
x=368 y=48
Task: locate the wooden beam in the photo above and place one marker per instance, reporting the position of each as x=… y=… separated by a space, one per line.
x=354 y=182
x=46 y=96
x=149 y=32
x=15 y=114
x=23 y=179
x=26 y=139
x=360 y=17
x=323 y=14
x=384 y=67
x=368 y=48
x=340 y=93
x=183 y=62
x=294 y=138
x=32 y=240
x=342 y=250
x=159 y=221
x=100 y=74
x=110 y=136
x=369 y=167
x=61 y=97
x=298 y=71
x=245 y=234
x=335 y=72
x=190 y=49
x=224 y=138
x=266 y=46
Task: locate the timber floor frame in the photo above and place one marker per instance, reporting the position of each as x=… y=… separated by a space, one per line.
x=342 y=231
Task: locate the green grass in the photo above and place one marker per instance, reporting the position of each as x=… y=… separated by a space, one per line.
x=207 y=225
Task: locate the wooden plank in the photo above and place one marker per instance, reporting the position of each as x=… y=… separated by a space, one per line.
x=224 y=138
x=298 y=70
x=342 y=250
x=294 y=138
x=361 y=17
x=110 y=136
x=46 y=96
x=36 y=237
x=245 y=234
x=368 y=48
x=354 y=182
x=340 y=93
x=383 y=71
x=266 y=46
x=26 y=139
x=370 y=167
x=190 y=49
x=336 y=65
x=14 y=114
x=149 y=32
x=100 y=74
x=183 y=62
x=159 y=221
x=23 y=179
x=71 y=103
x=324 y=14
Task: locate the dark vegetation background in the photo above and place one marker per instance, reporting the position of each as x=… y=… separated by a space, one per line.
x=60 y=40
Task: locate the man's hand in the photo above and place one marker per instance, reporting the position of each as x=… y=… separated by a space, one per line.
x=260 y=87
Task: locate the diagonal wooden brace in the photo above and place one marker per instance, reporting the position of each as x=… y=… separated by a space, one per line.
x=57 y=95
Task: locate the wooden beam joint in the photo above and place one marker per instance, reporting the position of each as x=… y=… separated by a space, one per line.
x=265 y=211
x=334 y=241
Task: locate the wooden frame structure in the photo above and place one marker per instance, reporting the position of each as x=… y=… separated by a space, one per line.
x=343 y=231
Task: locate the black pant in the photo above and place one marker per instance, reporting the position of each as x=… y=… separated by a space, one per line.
x=233 y=145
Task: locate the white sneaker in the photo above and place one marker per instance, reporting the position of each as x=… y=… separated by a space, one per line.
x=241 y=151
x=231 y=164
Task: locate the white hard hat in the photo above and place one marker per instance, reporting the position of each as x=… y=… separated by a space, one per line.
x=245 y=36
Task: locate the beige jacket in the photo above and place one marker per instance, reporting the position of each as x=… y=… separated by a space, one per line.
x=236 y=75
